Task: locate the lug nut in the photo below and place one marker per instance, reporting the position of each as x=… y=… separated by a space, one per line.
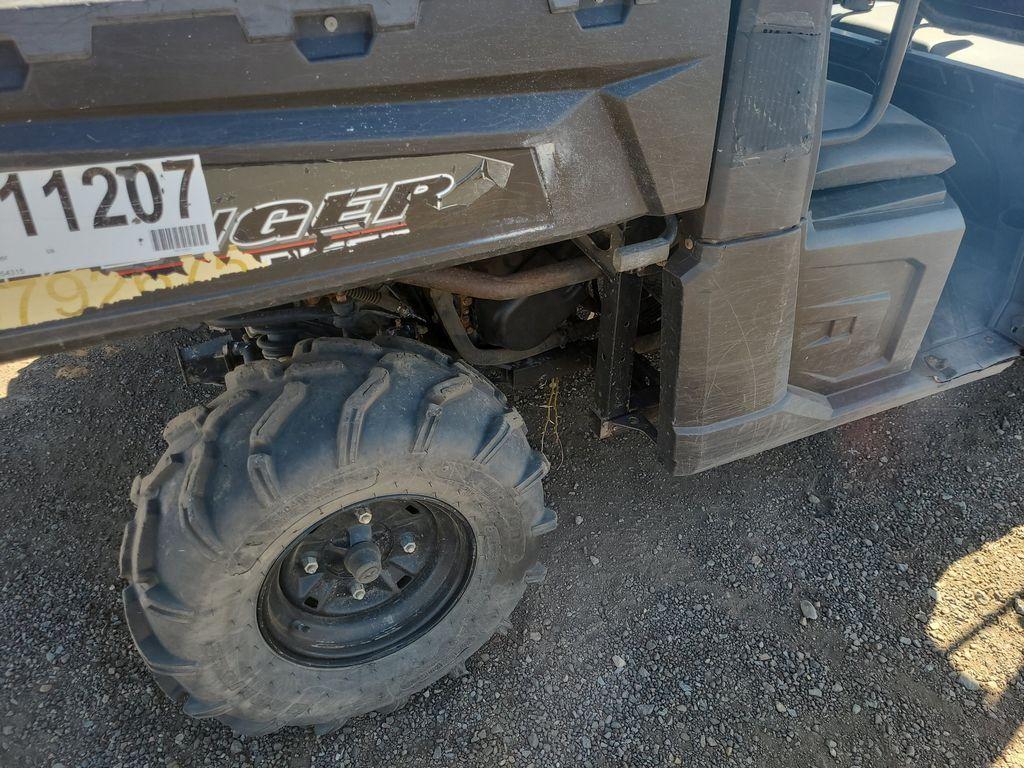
x=408 y=542
x=358 y=591
x=309 y=564
x=364 y=517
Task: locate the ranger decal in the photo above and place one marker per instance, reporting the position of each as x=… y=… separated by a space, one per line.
x=328 y=208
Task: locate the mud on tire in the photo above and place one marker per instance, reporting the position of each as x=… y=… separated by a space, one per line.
x=284 y=447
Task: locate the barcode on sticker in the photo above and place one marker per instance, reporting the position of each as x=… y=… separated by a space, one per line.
x=176 y=238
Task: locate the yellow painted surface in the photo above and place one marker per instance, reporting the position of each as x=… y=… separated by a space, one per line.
x=33 y=300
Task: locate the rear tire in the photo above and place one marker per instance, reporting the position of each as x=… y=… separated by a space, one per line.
x=287 y=448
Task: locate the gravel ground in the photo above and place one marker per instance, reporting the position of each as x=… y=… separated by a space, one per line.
x=851 y=599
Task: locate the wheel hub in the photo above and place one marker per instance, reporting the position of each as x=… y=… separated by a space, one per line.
x=363 y=562
x=347 y=591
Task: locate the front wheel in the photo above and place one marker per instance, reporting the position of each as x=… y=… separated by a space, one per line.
x=331 y=535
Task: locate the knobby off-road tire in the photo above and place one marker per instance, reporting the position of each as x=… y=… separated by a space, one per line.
x=284 y=447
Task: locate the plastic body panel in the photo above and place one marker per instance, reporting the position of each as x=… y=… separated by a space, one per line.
x=742 y=297
x=729 y=303
x=869 y=283
x=768 y=135
x=603 y=124
x=776 y=328
x=486 y=75
x=825 y=338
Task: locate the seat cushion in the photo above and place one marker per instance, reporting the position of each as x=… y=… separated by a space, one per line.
x=899 y=147
x=1003 y=56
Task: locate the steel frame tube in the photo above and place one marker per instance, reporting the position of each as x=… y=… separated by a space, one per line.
x=892 y=63
x=530 y=282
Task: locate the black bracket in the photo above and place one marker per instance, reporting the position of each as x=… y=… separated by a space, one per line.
x=613 y=370
x=624 y=381
x=208 y=362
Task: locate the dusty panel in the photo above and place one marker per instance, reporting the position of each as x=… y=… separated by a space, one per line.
x=868 y=288
x=729 y=305
x=603 y=122
x=276 y=224
x=46 y=30
x=872 y=266
x=729 y=312
x=767 y=142
x=655 y=111
x=801 y=413
x=782 y=68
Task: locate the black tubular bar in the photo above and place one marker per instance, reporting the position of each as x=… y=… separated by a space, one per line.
x=895 y=52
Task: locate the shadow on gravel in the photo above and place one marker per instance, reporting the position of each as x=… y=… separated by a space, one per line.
x=669 y=631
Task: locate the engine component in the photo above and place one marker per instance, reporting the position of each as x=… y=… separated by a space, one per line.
x=361 y=313
x=524 y=323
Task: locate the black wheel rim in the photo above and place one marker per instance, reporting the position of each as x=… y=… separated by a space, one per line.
x=347 y=592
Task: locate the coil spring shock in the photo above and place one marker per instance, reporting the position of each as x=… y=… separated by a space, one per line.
x=277 y=343
x=379 y=299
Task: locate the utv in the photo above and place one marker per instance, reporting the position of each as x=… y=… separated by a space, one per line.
x=759 y=219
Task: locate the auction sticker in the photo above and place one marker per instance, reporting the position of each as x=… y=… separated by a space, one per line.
x=103 y=215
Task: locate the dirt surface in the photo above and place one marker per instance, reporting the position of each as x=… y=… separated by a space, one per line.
x=851 y=599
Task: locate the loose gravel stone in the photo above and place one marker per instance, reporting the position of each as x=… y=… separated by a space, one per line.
x=968 y=682
x=808 y=610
